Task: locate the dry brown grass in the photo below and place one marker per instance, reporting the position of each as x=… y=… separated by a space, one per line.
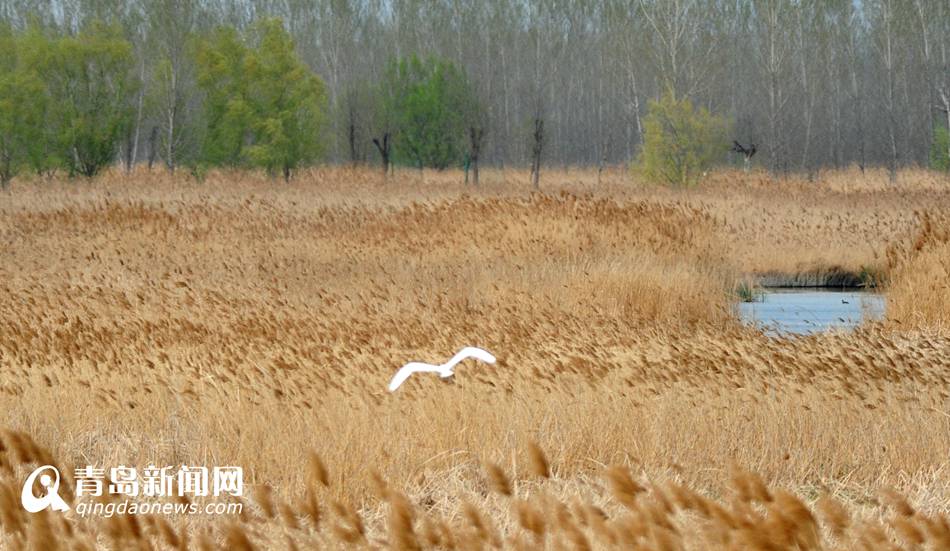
x=247 y=322
x=920 y=269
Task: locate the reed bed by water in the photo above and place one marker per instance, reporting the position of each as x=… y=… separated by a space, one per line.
x=150 y=318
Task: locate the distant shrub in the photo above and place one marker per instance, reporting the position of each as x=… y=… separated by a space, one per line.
x=940 y=150
x=431 y=102
x=680 y=142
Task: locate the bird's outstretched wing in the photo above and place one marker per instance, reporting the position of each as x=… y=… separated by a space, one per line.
x=405 y=371
x=471 y=352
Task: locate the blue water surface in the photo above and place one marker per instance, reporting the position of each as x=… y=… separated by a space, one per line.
x=805 y=311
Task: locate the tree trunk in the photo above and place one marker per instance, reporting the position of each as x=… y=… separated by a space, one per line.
x=925 y=50
x=807 y=92
x=636 y=114
x=889 y=99
x=129 y=152
x=384 y=146
x=773 y=123
x=603 y=160
x=475 y=137
x=153 y=150
x=947 y=110
x=172 y=114
x=352 y=139
x=945 y=99
x=536 y=152
x=138 y=120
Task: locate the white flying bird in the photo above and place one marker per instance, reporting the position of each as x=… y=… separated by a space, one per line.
x=444 y=370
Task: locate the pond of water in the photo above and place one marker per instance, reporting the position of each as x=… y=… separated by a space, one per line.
x=804 y=311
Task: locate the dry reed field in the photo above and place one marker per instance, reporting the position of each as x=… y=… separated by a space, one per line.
x=149 y=319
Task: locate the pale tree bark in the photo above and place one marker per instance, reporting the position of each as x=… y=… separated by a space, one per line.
x=173 y=24
x=681 y=48
x=923 y=27
x=944 y=107
x=626 y=40
x=773 y=49
x=943 y=82
x=808 y=86
x=138 y=117
x=833 y=76
x=171 y=114
x=857 y=93
x=883 y=12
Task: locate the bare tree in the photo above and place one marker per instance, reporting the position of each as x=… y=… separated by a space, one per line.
x=384 y=145
x=884 y=15
x=773 y=47
x=476 y=134
x=536 y=152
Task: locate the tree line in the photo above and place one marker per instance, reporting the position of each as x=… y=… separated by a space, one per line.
x=73 y=102
x=76 y=102
x=814 y=83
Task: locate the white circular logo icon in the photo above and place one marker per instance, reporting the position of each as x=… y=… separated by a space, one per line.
x=35 y=504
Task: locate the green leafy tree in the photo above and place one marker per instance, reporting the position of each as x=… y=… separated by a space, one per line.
x=429 y=102
x=22 y=106
x=680 y=142
x=287 y=103
x=33 y=128
x=264 y=107
x=89 y=87
x=221 y=62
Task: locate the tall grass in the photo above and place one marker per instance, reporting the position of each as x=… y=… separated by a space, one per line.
x=238 y=321
x=919 y=294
